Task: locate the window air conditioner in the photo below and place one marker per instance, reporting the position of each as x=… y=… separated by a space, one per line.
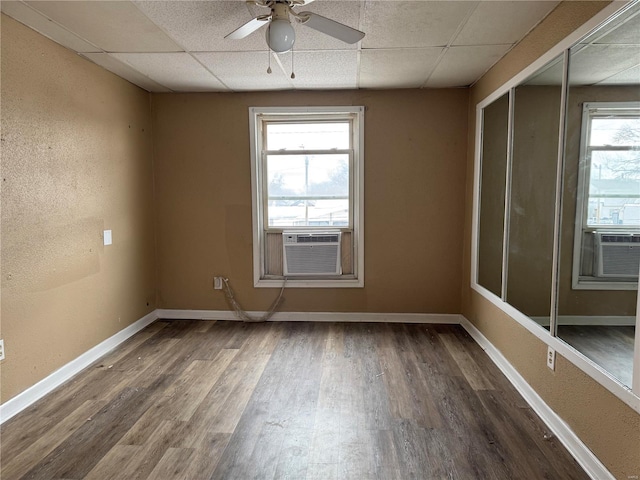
x=311 y=253
x=618 y=254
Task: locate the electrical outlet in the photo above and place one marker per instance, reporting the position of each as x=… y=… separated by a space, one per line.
x=2 y=349
x=551 y=358
x=217 y=283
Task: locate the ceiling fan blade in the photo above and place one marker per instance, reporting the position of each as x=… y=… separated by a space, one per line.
x=248 y=28
x=331 y=27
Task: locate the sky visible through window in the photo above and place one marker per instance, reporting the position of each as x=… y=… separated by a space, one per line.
x=308 y=184
x=614 y=186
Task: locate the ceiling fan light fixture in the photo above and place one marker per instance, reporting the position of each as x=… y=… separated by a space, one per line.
x=280 y=35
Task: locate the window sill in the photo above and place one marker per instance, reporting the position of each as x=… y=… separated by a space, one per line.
x=588 y=284
x=311 y=283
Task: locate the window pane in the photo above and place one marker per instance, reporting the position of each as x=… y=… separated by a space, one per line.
x=307 y=136
x=309 y=213
x=614 y=188
x=615 y=131
x=308 y=190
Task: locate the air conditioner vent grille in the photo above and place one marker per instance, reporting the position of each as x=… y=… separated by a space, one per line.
x=306 y=253
x=318 y=238
x=617 y=238
x=618 y=255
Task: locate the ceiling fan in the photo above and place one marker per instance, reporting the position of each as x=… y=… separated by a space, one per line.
x=280 y=34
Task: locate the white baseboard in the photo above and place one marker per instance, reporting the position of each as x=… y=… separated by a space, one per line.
x=451 y=319
x=64 y=373
x=585 y=457
x=589 y=320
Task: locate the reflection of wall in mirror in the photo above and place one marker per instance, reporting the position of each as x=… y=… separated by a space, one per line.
x=586 y=302
x=491 y=221
x=533 y=179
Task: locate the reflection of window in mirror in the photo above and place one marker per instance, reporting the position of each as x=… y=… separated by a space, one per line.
x=607 y=241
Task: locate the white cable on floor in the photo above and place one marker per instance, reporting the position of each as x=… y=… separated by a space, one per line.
x=242 y=314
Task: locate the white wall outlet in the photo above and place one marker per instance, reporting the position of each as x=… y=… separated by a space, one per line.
x=1 y=349
x=108 y=239
x=217 y=283
x=551 y=358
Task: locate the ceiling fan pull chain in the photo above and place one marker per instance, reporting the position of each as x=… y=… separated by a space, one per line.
x=269 y=52
x=293 y=75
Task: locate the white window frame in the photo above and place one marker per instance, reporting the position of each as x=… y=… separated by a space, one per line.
x=258 y=115
x=582 y=205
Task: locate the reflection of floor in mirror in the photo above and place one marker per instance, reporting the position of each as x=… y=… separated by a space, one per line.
x=609 y=347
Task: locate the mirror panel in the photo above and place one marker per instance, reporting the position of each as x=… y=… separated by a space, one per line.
x=495 y=126
x=537 y=105
x=600 y=232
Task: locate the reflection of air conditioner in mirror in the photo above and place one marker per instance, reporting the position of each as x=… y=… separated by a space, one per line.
x=618 y=254
x=311 y=253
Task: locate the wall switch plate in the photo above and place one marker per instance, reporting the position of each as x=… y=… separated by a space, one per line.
x=108 y=239
x=551 y=358
x=217 y=283
x=1 y=349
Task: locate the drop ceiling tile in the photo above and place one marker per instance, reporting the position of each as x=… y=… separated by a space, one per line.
x=397 y=68
x=41 y=24
x=627 y=32
x=461 y=66
x=502 y=22
x=630 y=76
x=550 y=74
x=245 y=71
x=595 y=63
x=114 y=26
x=323 y=70
x=412 y=24
x=201 y=26
x=123 y=70
x=177 y=71
x=347 y=13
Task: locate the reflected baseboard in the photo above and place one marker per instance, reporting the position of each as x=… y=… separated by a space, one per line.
x=589 y=320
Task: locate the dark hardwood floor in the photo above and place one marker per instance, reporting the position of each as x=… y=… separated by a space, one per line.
x=609 y=347
x=230 y=400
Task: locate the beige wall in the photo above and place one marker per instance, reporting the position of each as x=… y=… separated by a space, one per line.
x=76 y=159
x=415 y=147
x=606 y=425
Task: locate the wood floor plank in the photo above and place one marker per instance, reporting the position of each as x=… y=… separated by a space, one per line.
x=403 y=388
x=133 y=343
x=181 y=398
x=188 y=391
x=293 y=461
x=17 y=464
x=230 y=412
x=115 y=460
x=230 y=400
x=173 y=465
x=322 y=471
x=472 y=372
x=79 y=453
x=203 y=427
